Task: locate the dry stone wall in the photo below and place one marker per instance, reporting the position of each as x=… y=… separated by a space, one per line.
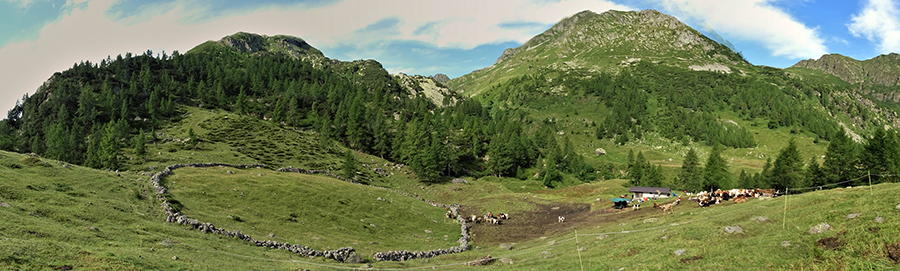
x=341 y=255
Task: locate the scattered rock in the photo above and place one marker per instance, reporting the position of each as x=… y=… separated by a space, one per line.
x=93 y=228
x=853 y=215
x=555 y=208
x=665 y=237
x=581 y=249
x=651 y=220
x=506 y=246
x=428 y=231
x=460 y=180
x=482 y=261
x=760 y=219
x=786 y=243
x=602 y=236
x=879 y=219
x=679 y=252
x=271 y=235
x=822 y=227
x=734 y=229
x=316 y=237
x=600 y=151
x=506 y=260
x=552 y=242
x=898 y=207
x=366 y=266
x=174 y=258
x=830 y=243
x=166 y=243
x=4 y=204
x=380 y=199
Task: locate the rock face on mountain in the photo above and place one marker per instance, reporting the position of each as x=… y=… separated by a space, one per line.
x=881 y=70
x=593 y=42
x=433 y=89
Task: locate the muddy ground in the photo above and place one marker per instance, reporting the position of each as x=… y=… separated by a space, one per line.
x=543 y=221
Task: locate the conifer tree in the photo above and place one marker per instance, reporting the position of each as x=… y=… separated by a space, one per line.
x=350 y=165
x=139 y=148
x=814 y=172
x=840 y=159
x=715 y=174
x=691 y=176
x=109 y=149
x=787 y=172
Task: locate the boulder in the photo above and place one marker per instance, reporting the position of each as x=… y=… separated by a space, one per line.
x=786 y=243
x=354 y=258
x=853 y=215
x=734 y=229
x=879 y=219
x=600 y=151
x=506 y=246
x=4 y=204
x=822 y=227
x=651 y=220
x=680 y=252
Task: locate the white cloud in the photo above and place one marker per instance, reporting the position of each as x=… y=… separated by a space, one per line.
x=879 y=22
x=753 y=20
x=85 y=32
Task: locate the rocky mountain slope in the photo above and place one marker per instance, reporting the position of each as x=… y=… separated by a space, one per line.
x=593 y=42
x=881 y=70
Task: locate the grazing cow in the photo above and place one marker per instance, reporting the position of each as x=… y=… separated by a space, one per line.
x=495 y=221
x=503 y=216
x=561 y=219
x=636 y=205
x=740 y=199
x=450 y=215
x=473 y=218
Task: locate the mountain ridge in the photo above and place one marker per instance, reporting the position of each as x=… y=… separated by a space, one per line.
x=604 y=42
x=882 y=70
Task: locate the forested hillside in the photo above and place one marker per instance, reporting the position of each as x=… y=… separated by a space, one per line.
x=89 y=113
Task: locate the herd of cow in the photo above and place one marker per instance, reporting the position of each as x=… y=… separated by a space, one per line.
x=705 y=199
x=488 y=218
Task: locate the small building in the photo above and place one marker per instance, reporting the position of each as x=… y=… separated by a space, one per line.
x=640 y=192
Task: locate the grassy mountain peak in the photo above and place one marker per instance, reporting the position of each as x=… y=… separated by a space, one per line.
x=593 y=42
x=260 y=45
x=881 y=70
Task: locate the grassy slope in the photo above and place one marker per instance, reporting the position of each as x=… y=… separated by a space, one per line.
x=326 y=212
x=53 y=208
x=59 y=199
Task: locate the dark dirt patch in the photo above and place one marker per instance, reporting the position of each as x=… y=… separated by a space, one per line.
x=893 y=252
x=64 y=267
x=873 y=229
x=830 y=243
x=691 y=259
x=543 y=221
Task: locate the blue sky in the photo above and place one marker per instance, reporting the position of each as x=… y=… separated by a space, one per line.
x=39 y=37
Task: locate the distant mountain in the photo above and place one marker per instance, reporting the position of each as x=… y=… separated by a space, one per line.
x=593 y=42
x=881 y=70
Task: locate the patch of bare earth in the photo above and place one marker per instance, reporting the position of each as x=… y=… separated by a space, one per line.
x=830 y=243
x=893 y=252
